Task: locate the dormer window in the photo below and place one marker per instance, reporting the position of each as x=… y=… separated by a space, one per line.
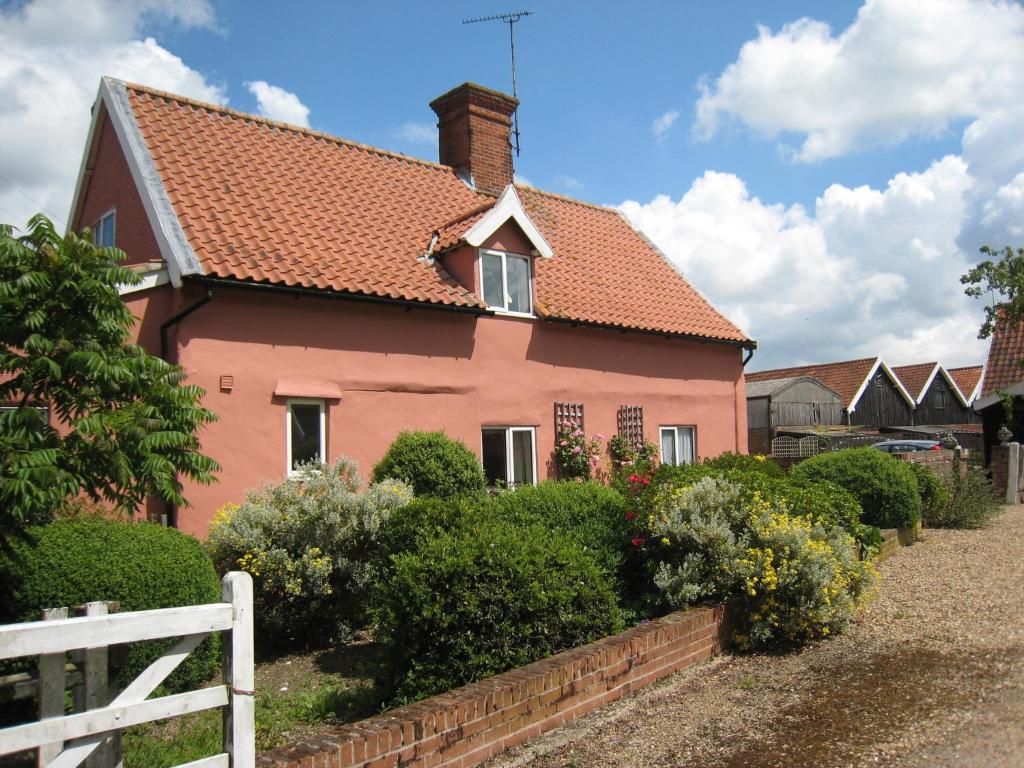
x=103 y=232
x=506 y=282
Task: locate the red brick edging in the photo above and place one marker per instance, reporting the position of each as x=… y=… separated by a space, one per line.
x=464 y=727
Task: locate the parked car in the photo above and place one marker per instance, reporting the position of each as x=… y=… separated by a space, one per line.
x=908 y=446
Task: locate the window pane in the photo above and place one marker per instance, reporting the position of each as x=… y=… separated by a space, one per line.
x=105 y=231
x=522 y=456
x=495 y=456
x=668 y=446
x=685 y=444
x=518 y=283
x=494 y=293
x=305 y=433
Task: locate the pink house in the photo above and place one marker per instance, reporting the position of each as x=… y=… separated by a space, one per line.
x=328 y=295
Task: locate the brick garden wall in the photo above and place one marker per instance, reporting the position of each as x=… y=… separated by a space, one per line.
x=464 y=727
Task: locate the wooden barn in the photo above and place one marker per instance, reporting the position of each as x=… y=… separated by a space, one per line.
x=786 y=402
x=870 y=393
x=937 y=395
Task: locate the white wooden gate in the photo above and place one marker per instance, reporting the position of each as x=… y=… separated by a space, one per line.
x=65 y=741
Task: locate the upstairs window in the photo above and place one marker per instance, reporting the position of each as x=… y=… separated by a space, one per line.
x=509 y=457
x=677 y=445
x=506 y=282
x=306 y=433
x=103 y=232
x=940 y=400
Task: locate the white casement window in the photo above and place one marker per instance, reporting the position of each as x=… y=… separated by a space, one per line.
x=306 y=430
x=506 y=282
x=677 y=445
x=509 y=456
x=103 y=232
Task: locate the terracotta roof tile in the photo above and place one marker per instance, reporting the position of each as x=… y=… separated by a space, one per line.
x=966 y=379
x=914 y=377
x=844 y=377
x=266 y=202
x=1005 y=354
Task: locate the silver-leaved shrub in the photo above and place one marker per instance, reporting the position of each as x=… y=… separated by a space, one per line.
x=307 y=542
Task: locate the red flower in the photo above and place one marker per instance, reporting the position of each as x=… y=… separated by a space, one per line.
x=638 y=541
x=646 y=480
x=634 y=478
x=630 y=515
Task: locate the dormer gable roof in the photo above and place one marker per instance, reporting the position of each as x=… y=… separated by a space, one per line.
x=849 y=378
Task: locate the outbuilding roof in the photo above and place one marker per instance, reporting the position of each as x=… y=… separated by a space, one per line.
x=848 y=378
x=247 y=199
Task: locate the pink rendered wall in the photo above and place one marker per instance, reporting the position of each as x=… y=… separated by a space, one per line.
x=430 y=369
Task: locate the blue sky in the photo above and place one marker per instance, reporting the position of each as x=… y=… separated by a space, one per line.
x=822 y=172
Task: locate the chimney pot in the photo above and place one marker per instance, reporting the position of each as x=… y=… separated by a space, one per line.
x=474 y=128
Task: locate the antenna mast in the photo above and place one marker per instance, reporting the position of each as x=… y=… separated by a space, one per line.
x=510 y=19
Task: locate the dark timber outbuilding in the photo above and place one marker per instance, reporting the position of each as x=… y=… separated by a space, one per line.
x=787 y=402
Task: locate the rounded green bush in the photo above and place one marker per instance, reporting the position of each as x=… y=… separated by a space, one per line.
x=934 y=494
x=140 y=565
x=885 y=487
x=433 y=464
x=486 y=597
x=593 y=515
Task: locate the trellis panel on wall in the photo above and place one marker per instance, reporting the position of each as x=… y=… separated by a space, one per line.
x=631 y=424
x=568 y=412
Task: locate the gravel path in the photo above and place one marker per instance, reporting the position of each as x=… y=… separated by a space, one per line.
x=932 y=674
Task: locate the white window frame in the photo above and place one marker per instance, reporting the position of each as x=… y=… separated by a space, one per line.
x=288 y=429
x=504 y=310
x=509 y=461
x=674 y=428
x=110 y=215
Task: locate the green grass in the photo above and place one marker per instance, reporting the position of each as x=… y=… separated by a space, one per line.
x=279 y=716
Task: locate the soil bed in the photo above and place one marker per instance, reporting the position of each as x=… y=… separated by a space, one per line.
x=932 y=674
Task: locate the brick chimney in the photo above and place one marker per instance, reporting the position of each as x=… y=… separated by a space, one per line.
x=474 y=125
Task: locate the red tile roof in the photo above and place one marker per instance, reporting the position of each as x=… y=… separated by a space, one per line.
x=1005 y=355
x=266 y=202
x=844 y=377
x=914 y=377
x=966 y=379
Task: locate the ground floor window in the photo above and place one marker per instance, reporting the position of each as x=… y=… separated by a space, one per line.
x=306 y=433
x=509 y=455
x=677 y=445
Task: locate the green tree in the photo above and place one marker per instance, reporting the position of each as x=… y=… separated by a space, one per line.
x=1002 y=276
x=125 y=423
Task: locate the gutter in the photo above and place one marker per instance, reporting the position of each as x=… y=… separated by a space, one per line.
x=748 y=345
x=322 y=293
x=175 y=319
x=750 y=354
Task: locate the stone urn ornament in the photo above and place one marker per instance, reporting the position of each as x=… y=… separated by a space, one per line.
x=946 y=440
x=1005 y=435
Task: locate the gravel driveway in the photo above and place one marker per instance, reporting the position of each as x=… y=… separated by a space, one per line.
x=931 y=675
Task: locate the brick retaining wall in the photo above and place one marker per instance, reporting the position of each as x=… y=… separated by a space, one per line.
x=464 y=727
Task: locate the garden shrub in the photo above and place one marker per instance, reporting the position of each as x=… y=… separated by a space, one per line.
x=591 y=514
x=487 y=597
x=885 y=487
x=308 y=544
x=971 y=502
x=793 y=579
x=420 y=519
x=744 y=463
x=433 y=464
x=140 y=565
x=576 y=457
x=933 y=491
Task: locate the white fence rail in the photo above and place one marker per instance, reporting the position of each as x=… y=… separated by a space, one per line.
x=66 y=740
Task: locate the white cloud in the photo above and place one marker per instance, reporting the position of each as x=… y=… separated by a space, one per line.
x=663 y=123
x=52 y=56
x=418 y=133
x=868 y=271
x=570 y=183
x=900 y=69
x=278 y=104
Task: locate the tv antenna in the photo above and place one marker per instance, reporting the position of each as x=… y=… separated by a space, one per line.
x=510 y=19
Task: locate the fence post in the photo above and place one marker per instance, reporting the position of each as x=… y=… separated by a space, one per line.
x=51 y=690
x=1013 y=473
x=95 y=687
x=239 y=673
